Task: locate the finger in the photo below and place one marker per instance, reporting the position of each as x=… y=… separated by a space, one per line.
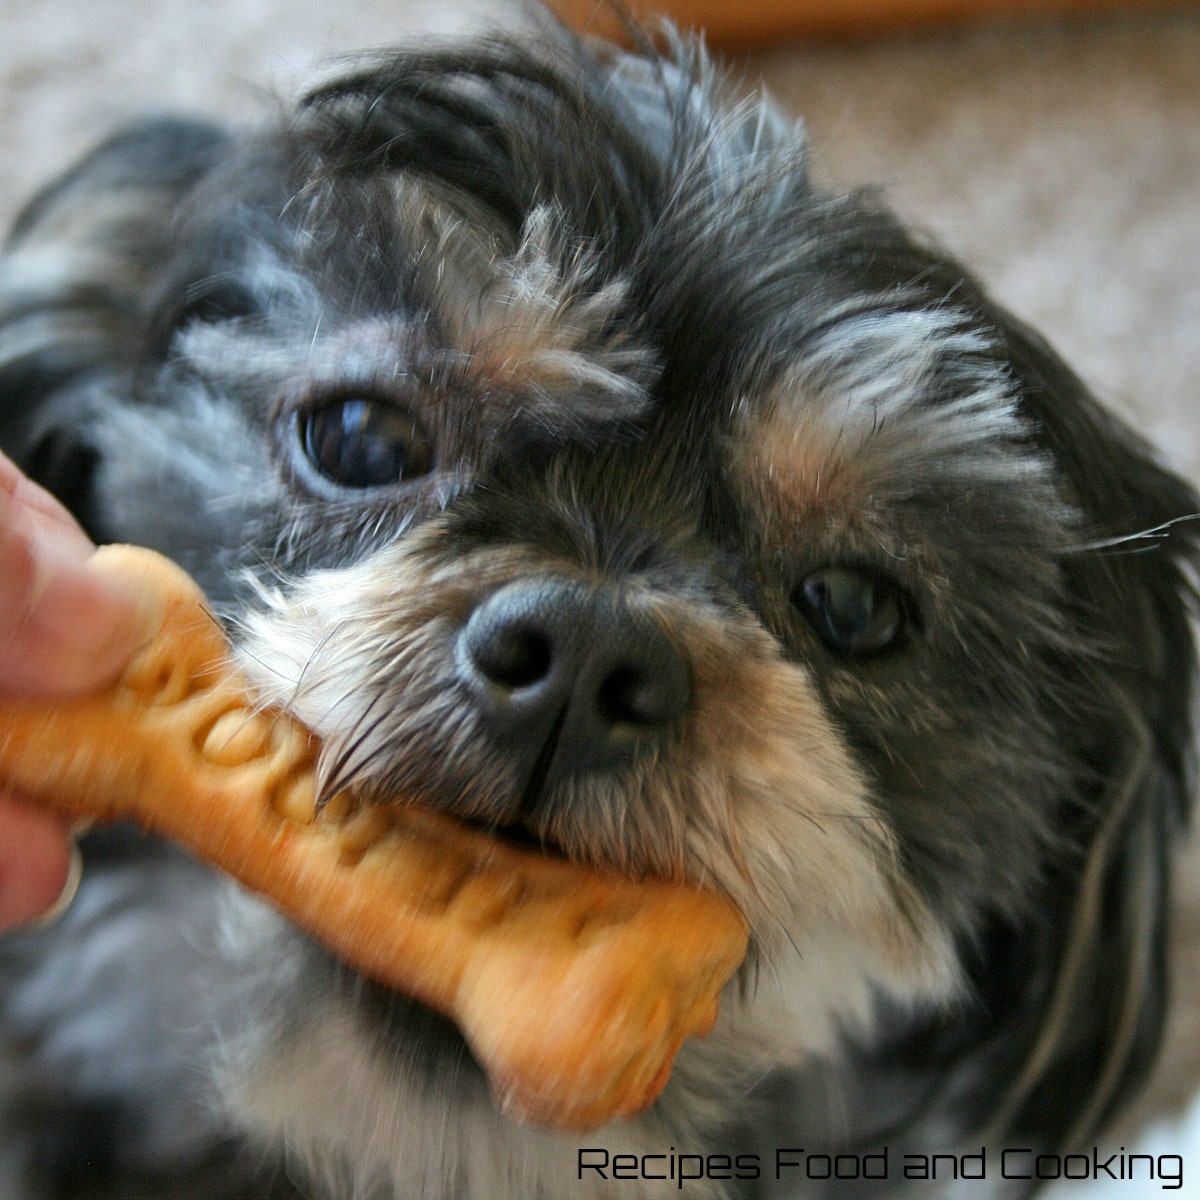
x=37 y=858
x=63 y=627
x=43 y=509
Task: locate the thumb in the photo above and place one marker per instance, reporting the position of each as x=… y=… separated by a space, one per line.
x=63 y=627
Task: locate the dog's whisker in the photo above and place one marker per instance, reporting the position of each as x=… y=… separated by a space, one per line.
x=1141 y=542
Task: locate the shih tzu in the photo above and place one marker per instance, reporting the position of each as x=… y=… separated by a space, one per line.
x=573 y=463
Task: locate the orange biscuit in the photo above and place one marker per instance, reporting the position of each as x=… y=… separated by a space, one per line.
x=574 y=988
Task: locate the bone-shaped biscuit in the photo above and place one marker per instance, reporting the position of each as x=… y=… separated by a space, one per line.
x=574 y=988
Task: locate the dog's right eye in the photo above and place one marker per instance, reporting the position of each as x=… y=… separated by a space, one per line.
x=357 y=442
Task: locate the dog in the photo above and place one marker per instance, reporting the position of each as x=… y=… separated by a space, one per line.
x=574 y=464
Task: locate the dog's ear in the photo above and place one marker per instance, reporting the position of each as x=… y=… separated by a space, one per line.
x=1075 y=991
x=78 y=277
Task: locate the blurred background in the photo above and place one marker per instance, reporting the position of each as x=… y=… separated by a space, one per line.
x=1054 y=145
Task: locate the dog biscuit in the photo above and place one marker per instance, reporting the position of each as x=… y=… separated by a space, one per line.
x=573 y=987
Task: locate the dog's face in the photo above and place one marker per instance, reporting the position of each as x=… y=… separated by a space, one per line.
x=571 y=463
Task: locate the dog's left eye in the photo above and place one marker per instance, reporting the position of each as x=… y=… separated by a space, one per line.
x=358 y=442
x=853 y=610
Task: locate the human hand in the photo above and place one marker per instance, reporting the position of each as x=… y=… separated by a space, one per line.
x=62 y=630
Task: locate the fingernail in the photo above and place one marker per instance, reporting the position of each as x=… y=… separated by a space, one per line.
x=70 y=887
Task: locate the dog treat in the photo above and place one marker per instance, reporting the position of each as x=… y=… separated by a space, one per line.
x=575 y=988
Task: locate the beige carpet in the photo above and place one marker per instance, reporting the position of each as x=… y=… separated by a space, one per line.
x=1062 y=160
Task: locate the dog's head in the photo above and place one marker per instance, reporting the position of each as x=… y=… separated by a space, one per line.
x=573 y=463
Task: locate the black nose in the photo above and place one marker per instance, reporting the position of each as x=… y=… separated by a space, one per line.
x=569 y=670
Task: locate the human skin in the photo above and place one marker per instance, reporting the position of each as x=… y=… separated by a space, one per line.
x=63 y=629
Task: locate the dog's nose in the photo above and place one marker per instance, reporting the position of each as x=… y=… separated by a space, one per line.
x=570 y=671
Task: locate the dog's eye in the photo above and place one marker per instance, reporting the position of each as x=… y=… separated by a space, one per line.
x=363 y=443
x=852 y=610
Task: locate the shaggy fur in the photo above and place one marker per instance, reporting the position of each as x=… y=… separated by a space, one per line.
x=569 y=461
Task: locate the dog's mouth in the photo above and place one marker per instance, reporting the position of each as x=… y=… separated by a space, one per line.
x=520 y=816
